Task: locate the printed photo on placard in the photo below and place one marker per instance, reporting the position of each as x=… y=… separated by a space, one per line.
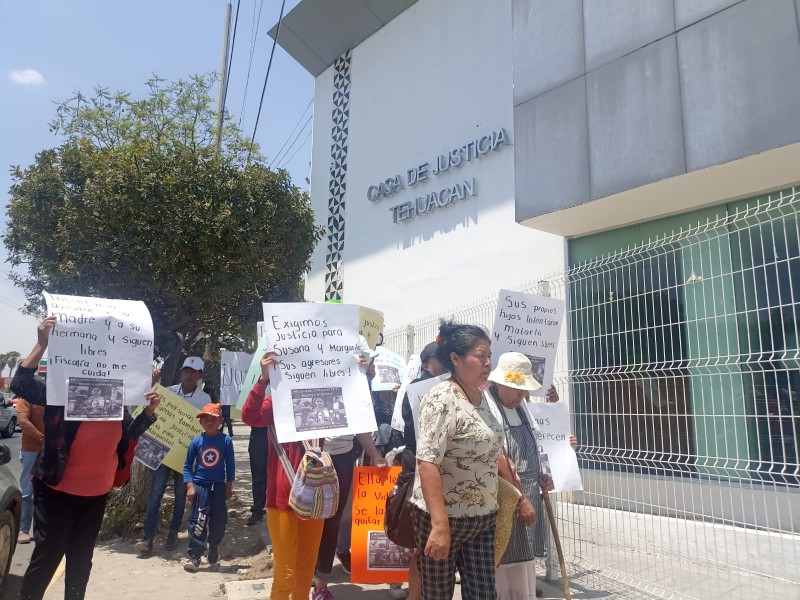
x=318 y=408
x=538 y=364
x=150 y=452
x=388 y=374
x=544 y=464
x=385 y=555
x=93 y=399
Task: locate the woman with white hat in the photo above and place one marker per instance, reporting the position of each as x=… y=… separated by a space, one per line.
x=510 y=385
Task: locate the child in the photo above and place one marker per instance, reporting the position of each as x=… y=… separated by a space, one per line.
x=208 y=474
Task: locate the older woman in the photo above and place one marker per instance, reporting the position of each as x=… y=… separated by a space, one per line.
x=454 y=503
x=510 y=385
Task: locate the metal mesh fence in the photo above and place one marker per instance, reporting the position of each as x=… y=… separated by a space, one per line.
x=682 y=369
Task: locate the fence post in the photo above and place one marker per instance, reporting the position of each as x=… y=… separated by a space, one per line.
x=410 y=339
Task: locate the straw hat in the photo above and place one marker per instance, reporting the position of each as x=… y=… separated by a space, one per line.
x=514 y=370
x=508 y=498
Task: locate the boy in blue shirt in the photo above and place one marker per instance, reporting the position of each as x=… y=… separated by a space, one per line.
x=208 y=474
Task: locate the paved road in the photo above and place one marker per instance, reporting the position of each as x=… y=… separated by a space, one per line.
x=23 y=553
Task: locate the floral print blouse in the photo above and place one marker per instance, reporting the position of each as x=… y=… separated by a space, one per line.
x=465 y=441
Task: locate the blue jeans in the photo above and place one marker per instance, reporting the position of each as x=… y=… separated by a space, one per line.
x=27 y=458
x=207 y=517
x=160 y=478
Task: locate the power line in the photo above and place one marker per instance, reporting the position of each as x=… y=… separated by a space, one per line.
x=253 y=38
x=266 y=79
x=274 y=160
x=298 y=149
x=294 y=141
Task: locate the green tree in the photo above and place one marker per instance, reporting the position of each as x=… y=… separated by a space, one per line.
x=137 y=203
x=11 y=359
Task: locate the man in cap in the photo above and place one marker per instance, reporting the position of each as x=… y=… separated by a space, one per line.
x=188 y=389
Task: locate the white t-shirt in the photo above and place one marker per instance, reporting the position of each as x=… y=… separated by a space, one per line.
x=465 y=441
x=197 y=398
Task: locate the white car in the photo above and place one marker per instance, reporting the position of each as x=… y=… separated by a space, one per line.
x=8 y=417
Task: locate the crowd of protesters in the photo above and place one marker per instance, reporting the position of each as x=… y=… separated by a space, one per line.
x=471 y=432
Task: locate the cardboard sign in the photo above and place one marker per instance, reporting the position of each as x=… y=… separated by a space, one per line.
x=370 y=325
x=375 y=558
x=390 y=370
x=233 y=374
x=254 y=371
x=100 y=356
x=175 y=428
x=319 y=388
x=552 y=433
x=531 y=325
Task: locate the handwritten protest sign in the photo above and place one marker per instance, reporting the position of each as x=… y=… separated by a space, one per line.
x=370 y=325
x=318 y=388
x=176 y=426
x=416 y=392
x=413 y=371
x=254 y=372
x=100 y=356
x=531 y=325
x=390 y=370
x=552 y=420
x=233 y=374
x=374 y=558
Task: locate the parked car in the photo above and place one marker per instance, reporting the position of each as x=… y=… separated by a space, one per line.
x=10 y=509
x=8 y=417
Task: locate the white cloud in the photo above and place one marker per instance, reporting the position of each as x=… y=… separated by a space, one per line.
x=26 y=77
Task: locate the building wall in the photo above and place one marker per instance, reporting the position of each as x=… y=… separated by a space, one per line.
x=434 y=78
x=610 y=96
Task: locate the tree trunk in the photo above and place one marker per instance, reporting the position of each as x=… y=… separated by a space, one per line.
x=135 y=493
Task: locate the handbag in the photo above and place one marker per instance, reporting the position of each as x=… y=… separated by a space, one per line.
x=315 y=486
x=508 y=497
x=397 y=517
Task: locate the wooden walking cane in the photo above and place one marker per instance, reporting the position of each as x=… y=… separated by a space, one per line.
x=551 y=517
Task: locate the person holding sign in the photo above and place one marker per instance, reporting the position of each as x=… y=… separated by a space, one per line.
x=510 y=385
x=454 y=503
x=295 y=542
x=191 y=374
x=71 y=479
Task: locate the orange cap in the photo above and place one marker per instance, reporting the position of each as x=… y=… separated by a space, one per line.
x=210 y=409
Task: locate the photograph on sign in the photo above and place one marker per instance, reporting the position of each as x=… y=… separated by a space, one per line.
x=98 y=338
x=94 y=399
x=390 y=370
x=318 y=408
x=150 y=452
x=532 y=325
x=384 y=555
x=317 y=347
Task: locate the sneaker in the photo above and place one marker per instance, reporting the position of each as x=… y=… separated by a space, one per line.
x=171 y=543
x=213 y=555
x=397 y=592
x=322 y=594
x=254 y=519
x=144 y=546
x=192 y=565
x=344 y=558
x=23 y=538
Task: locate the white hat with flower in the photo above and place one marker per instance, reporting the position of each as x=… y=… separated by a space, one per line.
x=514 y=370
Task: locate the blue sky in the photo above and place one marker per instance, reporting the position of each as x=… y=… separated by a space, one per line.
x=51 y=48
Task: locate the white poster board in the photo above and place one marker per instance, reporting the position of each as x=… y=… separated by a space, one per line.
x=254 y=372
x=531 y=325
x=390 y=370
x=413 y=371
x=318 y=388
x=100 y=356
x=416 y=392
x=233 y=374
x=552 y=420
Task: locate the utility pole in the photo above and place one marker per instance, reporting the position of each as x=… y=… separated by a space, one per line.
x=223 y=77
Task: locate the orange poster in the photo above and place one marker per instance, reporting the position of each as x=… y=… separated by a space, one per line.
x=374 y=558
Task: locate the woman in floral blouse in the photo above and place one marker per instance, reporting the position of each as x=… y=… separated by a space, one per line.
x=454 y=504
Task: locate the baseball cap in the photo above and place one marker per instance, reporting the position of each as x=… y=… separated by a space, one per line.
x=193 y=362
x=210 y=409
x=428 y=351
